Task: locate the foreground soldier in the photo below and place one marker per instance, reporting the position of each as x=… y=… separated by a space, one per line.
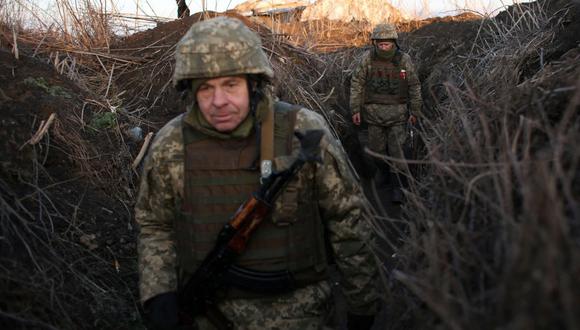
x=386 y=89
x=205 y=163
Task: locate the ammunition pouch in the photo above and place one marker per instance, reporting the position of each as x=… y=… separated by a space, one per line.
x=387 y=83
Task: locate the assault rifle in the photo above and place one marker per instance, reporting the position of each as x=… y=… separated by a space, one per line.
x=198 y=296
x=411 y=146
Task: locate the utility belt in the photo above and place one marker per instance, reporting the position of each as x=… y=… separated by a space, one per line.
x=247 y=283
x=387 y=99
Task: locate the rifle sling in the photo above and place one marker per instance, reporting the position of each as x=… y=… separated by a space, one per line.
x=259 y=281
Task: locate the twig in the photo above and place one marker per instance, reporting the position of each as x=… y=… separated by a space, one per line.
x=42 y=40
x=144 y=148
x=15 y=44
x=110 y=79
x=23 y=321
x=42 y=129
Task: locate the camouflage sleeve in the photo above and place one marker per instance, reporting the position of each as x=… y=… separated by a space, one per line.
x=340 y=202
x=154 y=213
x=357 y=85
x=415 y=100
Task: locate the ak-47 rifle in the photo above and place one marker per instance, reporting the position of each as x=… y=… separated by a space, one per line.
x=198 y=296
x=411 y=145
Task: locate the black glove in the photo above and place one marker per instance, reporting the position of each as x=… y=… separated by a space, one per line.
x=359 y=322
x=162 y=311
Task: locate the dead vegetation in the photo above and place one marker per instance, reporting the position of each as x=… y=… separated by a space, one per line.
x=493 y=238
x=490 y=235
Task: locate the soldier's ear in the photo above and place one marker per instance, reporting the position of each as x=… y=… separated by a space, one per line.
x=252 y=83
x=183 y=85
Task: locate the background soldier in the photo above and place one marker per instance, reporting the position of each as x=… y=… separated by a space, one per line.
x=182 y=9
x=386 y=89
x=203 y=164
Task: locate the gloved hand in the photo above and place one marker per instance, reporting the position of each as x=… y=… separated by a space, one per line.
x=356 y=118
x=162 y=311
x=359 y=322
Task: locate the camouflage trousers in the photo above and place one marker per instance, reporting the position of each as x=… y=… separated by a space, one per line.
x=388 y=140
x=305 y=308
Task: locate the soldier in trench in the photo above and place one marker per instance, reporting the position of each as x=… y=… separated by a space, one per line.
x=182 y=9
x=204 y=163
x=385 y=94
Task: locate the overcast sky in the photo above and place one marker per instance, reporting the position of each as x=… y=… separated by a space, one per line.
x=45 y=9
x=423 y=8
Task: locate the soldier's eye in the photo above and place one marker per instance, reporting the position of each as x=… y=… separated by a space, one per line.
x=204 y=91
x=232 y=83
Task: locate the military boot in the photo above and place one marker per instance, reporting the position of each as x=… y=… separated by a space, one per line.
x=399 y=183
x=382 y=176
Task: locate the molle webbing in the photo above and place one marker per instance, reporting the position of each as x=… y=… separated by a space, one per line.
x=219 y=176
x=385 y=83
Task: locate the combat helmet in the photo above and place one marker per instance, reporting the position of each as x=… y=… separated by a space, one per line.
x=222 y=46
x=384 y=32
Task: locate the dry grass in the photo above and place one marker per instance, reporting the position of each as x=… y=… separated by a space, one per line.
x=48 y=279
x=321 y=36
x=51 y=277
x=493 y=232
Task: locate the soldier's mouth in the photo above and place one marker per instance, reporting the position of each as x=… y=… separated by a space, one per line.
x=222 y=118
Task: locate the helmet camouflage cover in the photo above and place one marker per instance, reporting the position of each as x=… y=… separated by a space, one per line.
x=384 y=31
x=217 y=47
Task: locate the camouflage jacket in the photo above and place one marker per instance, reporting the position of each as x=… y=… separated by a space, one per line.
x=339 y=199
x=380 y=114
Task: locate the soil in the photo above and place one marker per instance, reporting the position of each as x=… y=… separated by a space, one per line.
x=73 y=177
x=84 y=175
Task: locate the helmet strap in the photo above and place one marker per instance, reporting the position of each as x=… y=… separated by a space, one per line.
x=255 y=93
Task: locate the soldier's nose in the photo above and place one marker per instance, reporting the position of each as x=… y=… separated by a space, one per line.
x=219 y=97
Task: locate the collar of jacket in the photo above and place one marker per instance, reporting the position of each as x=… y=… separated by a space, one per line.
x=385 y=55
x=195 y=119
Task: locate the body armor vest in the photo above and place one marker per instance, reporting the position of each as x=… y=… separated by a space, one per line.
x=387 y=82
x=220 y=175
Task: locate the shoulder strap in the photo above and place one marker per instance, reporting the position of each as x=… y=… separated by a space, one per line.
x=266 y=139
x=285 y=120
x=398 y=57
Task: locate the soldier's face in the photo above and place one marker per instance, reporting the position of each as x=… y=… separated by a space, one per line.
x=385 y=45
x=224 y=102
